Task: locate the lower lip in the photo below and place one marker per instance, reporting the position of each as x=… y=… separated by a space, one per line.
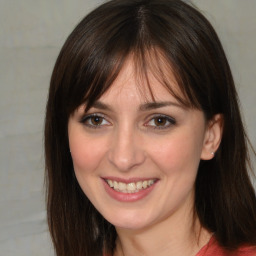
x=128 y=197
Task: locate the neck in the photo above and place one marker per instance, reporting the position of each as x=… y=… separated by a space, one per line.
x=175 y=235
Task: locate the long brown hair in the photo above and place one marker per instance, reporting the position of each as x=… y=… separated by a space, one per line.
x=87 y=65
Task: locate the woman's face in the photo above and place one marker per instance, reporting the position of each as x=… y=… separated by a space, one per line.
x=136 y=159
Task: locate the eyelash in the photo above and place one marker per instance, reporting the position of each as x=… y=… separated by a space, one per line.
x=171 y=121
x=89 y=118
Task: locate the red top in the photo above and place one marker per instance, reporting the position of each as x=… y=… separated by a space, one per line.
x=213 y=249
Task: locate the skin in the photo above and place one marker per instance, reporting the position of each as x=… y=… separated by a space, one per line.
x=128 y=142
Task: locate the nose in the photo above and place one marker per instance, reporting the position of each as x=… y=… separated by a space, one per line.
x=126 y=151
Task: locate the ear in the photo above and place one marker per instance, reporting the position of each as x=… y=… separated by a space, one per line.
x=213 y=137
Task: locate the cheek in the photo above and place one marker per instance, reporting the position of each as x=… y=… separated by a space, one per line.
x=177 y=153
x=86 y=153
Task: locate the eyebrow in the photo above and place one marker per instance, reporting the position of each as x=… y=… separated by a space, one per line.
x=143 y=107
x=156 y=105
x=101 y=105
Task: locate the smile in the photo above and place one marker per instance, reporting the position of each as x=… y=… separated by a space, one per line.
x=132 y=187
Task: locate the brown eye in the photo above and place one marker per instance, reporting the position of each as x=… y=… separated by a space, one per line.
x=96 y=120
x=160 y=121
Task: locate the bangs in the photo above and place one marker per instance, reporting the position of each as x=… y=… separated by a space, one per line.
x=153 y=64
x=96 y=52
x=148 y=64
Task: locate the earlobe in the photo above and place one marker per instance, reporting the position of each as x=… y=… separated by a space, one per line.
x=213 y=136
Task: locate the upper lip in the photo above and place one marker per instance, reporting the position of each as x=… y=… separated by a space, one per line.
x=127 y=181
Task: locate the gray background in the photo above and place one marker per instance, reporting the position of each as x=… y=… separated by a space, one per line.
x=31 y=34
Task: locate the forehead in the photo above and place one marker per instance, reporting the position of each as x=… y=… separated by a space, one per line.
x=147 y=83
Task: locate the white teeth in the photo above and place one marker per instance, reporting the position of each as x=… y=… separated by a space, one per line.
x=115 y=185
x=122 y=186
x=110 y=183
x=150 y=182
x=144 y=184
x=131 y=187
x=139 y=185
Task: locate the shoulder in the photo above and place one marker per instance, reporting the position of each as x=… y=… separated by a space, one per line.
x=246 y=251
x=214 y=249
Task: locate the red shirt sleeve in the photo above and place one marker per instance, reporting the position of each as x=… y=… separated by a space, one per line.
x=213 y=249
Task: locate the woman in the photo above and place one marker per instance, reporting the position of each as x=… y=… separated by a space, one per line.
x=145 y=149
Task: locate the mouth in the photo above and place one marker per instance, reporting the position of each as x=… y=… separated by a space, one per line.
x=131 y=187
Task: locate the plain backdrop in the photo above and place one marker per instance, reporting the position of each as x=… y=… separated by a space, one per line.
x=31 y=34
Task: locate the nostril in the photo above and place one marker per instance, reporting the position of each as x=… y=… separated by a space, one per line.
x=126 y=160
x=125 y=151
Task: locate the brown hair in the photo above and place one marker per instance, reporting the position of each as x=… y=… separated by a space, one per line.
x=87 y=65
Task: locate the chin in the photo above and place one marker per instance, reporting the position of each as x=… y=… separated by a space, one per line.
x=131 y=221
x=130 y=225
